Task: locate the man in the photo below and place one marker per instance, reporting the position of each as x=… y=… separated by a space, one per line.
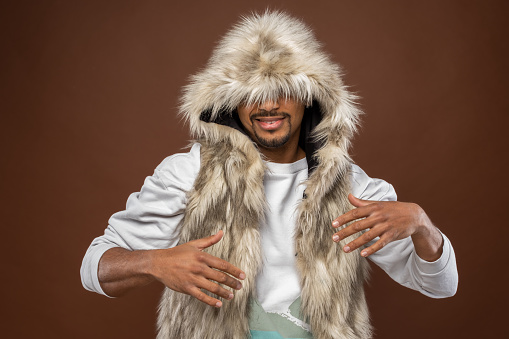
x=261 y=228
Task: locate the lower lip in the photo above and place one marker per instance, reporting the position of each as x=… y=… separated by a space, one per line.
x=272 y=126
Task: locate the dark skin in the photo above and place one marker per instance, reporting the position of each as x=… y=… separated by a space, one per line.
x=184 y=268
x=390 y=221
x=287 y=114
x=187 y=269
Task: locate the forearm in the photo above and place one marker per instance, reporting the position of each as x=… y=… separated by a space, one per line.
x=121 y=270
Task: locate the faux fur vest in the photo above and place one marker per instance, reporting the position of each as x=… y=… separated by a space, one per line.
x=264 y=58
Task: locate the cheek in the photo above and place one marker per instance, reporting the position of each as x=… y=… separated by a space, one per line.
x=297 y=122
x=246 y=122
x=243 y=113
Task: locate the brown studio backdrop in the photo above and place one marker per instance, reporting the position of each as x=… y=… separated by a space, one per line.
x=88 y=102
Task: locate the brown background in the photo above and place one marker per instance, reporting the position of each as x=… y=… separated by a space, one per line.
x=88 y=102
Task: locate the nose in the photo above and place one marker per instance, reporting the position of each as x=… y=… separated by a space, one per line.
x=269 y=106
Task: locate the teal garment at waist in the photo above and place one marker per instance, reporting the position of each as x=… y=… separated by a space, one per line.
x=271 y=325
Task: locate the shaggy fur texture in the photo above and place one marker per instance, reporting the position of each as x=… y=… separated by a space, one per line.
x=227 y=197
x=266 y=57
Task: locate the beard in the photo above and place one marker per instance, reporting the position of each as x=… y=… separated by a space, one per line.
x=273 y=142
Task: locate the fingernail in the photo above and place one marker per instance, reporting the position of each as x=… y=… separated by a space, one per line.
x=335 y=223
x=346 y=249
x=230 y=296
x=335 y=237
x=364 y=253
x=242 y=276
x=239 y=286
x=218 y=304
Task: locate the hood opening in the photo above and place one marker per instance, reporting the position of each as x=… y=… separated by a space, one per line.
x=312 y=117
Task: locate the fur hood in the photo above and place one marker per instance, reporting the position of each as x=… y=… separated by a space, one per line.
x=265 y=57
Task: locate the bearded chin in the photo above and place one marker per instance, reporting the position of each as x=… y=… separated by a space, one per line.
x=272 y=142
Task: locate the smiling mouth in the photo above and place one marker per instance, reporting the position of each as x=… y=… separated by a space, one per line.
x=269 y=123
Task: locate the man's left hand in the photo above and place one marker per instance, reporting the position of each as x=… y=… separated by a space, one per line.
x=389 y=220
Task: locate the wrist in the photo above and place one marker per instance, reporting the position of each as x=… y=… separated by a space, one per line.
x=423 y=222
x=150 y=264
x=428 y=243
x=422 y=232
x=427 y=239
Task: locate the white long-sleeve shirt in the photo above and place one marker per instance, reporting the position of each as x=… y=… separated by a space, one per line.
x=152 y=216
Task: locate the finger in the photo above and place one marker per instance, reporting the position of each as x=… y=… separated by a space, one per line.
x=216 y=289
x=353 y=228
x=223 y=278
x=198 y=294
x=203 y=243
x=224 y=266
x=359 y=202
x=354 y=214
x=361 y=240
x=377 y=246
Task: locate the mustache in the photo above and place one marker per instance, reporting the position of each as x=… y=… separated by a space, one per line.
x=266 y=114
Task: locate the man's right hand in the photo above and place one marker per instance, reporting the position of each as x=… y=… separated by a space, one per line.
x=187 y=269
x=184 y=268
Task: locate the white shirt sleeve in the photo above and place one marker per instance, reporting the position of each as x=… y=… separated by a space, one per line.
x=151 y=217
x=438 y=279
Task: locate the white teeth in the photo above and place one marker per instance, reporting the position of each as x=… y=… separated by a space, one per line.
x=269 y=122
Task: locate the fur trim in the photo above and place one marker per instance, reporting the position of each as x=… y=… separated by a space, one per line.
x=225 y=197
x=263 y=58
x=332 y=281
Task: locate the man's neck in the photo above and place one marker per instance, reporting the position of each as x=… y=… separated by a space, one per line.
x=283 y=155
